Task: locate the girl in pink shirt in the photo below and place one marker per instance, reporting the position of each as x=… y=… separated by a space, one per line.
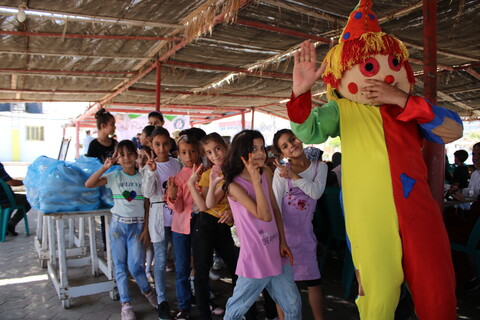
x=180 y=201
x=260 y=229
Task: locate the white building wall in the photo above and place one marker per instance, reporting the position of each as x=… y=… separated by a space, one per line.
x=30 y=150
x=6 y=134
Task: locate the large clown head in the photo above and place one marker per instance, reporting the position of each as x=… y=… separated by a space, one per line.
x=364 y=52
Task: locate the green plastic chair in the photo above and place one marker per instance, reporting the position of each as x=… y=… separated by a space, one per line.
x=336 y=223
x=472 y=247
x=6 y=212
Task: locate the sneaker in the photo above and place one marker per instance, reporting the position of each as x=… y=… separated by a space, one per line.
x=213 y=275
x=216 y=310
x=163 y=311
x=152 y=298
x=127 y=312
x=183 y=315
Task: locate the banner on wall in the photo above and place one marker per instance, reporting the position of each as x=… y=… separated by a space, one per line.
x=128 y=125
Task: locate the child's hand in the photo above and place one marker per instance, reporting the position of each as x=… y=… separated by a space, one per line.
x=196 y=174
x=252 y=169
x=285 y=251
x=380 y=92
x=152 y=165
x=226 y=217
x=285 y=172
x=216 y=175
x=172 y=188
x=109 y=162
x=304 y=73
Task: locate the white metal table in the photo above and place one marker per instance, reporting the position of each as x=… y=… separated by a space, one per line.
x=60 y=258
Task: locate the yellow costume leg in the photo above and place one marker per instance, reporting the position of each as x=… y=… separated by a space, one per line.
x=370 y=214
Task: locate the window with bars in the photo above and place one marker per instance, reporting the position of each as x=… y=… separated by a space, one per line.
x=35 y=133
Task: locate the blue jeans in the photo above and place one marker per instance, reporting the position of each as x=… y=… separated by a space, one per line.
x=182 y=253
x=160 y=258
x=127 y=254
x=282 y=288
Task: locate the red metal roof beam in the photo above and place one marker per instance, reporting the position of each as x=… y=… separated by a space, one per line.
x=178 y=106
x=208 y=94
x=85 y=36
x=12 y=70
x=132 y=111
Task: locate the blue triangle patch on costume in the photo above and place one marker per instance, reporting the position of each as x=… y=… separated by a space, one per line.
x=407 y=184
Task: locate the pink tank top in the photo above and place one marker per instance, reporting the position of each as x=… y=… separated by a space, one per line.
x=259 y=240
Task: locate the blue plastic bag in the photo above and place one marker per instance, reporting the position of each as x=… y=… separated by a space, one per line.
x=63 y=189
x=91 y=165
x=33 y=179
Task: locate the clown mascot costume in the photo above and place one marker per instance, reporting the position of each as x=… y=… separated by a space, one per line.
x=394 y=226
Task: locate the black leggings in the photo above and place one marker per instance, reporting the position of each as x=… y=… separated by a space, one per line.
x=209 y=235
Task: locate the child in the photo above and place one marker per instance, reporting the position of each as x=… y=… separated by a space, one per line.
x=155 y=175
x=297 y=187
x=155 y=118
x=260 y=229
x=142 y=159
x=145 y=137
x=212 y=229
x=180 y=201
x=460 y=174
x=103 y=146
x=127 y=223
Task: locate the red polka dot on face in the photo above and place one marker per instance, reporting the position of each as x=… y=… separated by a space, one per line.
x=352 y=88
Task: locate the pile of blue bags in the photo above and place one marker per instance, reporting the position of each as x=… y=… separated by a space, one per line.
x=59 y=186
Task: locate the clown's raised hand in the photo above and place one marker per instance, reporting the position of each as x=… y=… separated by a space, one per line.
x=304 y=72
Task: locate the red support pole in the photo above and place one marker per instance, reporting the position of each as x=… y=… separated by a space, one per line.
x=243 y=119
x=77 y=140
x=157 y=88
x=433 y=153
x=253 y=117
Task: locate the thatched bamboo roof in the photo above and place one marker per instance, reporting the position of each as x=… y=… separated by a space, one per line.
x=218 y=57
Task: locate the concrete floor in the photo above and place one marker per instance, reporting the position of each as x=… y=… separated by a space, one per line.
x=27 y=293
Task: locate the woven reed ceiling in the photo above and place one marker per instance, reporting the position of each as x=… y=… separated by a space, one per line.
x=216 y=57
